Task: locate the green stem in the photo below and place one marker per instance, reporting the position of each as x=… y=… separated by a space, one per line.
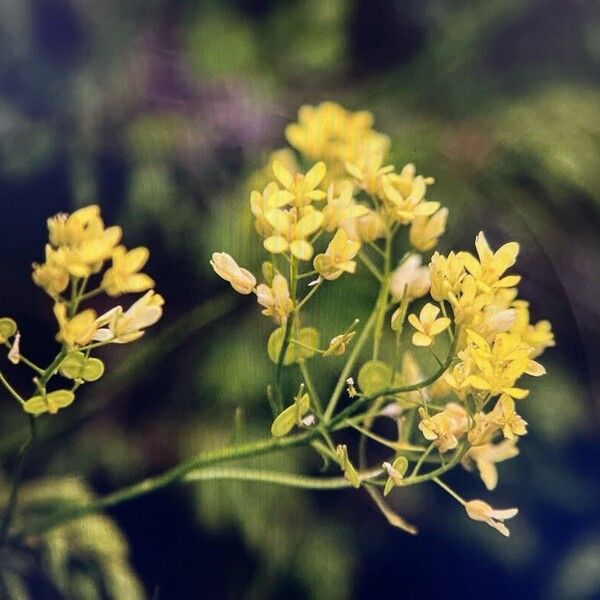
x=16 y=480
x=383 y=296
x=308 y=296
x=11 y=390
x=287 y=479
x=310 y=386
x=352 y=358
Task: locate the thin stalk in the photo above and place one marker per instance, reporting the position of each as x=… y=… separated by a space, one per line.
x=383 y=296
x=370 y=266
x=11 y=390
x=308 y=296
x=352 y=358
x=286 y=479
x=16 y=480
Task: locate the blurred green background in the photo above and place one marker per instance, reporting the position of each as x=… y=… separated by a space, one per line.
x=161 y=111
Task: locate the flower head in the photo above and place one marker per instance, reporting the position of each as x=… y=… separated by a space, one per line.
x=478 y=510
x=411 y=275
x=444 y=428
x=124 y=276
x=486 y=456
x=75 y=331
x=337 y=259
x=427 y=325
x=426 y=230
x=121 y=327
x=241 y=280
x=290 y=230
x=299 y=190
x=276 y=298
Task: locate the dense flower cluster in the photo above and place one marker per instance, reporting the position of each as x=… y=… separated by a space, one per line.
x=349 y=204
x=79 y=249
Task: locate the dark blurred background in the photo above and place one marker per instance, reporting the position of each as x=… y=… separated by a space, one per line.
x=161 y=111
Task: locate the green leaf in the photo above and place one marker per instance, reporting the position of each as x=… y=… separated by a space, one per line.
x=374 y=376
x=8 y=328
x=286 y=420
x=308 y=336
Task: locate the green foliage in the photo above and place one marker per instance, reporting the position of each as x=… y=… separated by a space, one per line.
x=279 y=524
x=86 y=559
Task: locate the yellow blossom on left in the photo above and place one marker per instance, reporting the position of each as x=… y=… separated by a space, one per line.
x=75 y=331
x=337 y=259
x=427 y=325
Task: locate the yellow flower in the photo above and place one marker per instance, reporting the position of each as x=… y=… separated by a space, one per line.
x=468 y=303
x=329 y=132
x=538 y=336
x=447 y=273
x=501 y=364
x=490 y=267
x=505 y=416
x=444 y=428
x=478 y=510
x=124 y=276
x=72 y=230
x=337 y=259
x=411 y=275
x=262 y=177
x=368 y=228
x=486 y=456
x=341 y=209
x=370 y=175
x=427 y=325
x=82 y=242
x=119 y=327
x=290 y=230
x=299 y=189
x=260 y=204
x=276 y=299
x=77 y=331
x=50 y=275
x=405 y=196
x=425 y=231
x=241 y=280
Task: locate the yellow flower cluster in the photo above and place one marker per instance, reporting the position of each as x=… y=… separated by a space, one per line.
x=79 y=246
x=79 y=249
x=340 y=202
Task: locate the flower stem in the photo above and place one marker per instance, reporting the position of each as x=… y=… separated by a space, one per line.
x=16 y=480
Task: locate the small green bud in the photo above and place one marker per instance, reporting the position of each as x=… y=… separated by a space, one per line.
x=268 y=271
x=291 y=416
x=8 y=328
x=396 y=472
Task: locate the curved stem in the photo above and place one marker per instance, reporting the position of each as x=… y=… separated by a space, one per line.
x=11 y=390
x=287 y=479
